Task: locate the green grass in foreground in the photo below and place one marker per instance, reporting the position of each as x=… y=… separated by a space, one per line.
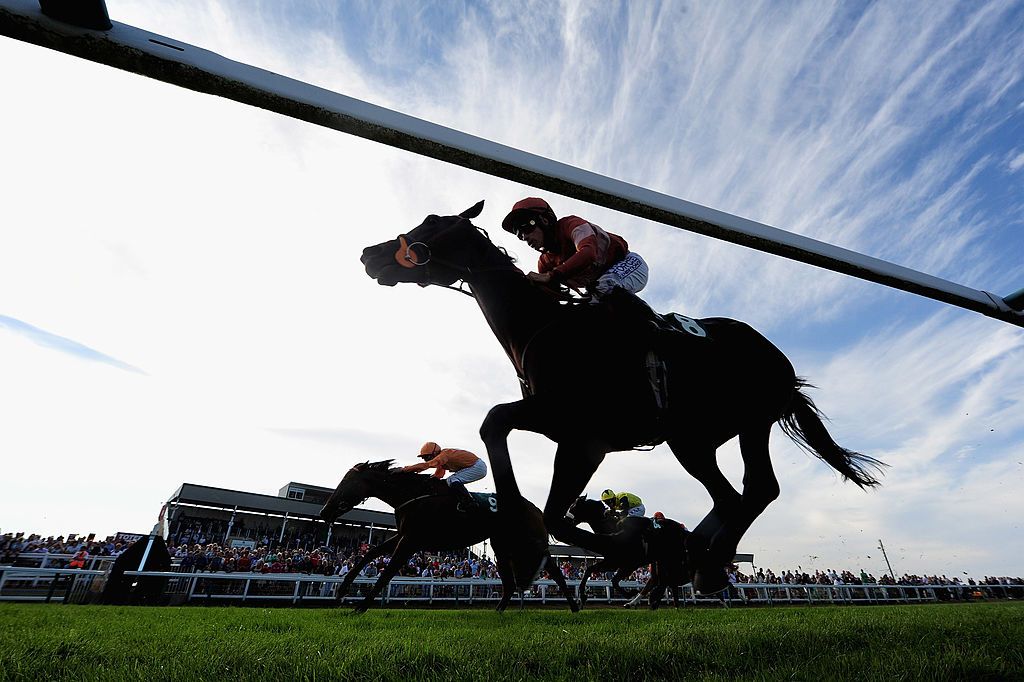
x=926 y=642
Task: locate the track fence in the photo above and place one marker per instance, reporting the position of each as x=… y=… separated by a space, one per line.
x=85 y=586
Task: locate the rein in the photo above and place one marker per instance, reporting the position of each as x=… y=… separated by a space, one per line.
x=411 y=256
x=416 y=499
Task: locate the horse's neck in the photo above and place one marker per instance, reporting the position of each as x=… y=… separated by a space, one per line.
x=602 y=524
x=515 y=309
x=398 y=488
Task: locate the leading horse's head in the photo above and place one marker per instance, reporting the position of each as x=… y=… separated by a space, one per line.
x=585 y=510
x=438 y=251
x=358 y=484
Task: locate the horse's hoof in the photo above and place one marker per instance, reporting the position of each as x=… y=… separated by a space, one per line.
x=707 y=583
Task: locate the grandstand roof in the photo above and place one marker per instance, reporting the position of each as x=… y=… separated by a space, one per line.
x=222 y=498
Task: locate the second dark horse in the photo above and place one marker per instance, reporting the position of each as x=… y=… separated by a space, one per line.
x=427 y=517
x=636 y=542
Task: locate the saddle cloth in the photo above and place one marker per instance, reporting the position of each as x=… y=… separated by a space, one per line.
x=485 y=502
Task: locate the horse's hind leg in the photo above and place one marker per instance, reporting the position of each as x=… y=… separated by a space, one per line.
x=760 y=488
x=713 y=543
x=508 y=583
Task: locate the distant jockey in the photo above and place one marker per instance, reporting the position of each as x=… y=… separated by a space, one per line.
x=623 y=504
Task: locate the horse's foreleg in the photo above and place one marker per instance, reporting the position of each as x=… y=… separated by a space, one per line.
x=556 y=575
x=497 y=425
x=593 y=569
x=382 y=548
x=525 y=551
x=575 y=463
x=403 y=550
x=619 y=575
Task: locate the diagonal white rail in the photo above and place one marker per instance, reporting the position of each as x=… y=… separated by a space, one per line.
x=150 y=54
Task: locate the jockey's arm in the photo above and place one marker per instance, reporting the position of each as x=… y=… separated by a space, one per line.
x=438 y=472
x=585 y=256
x=416 y=468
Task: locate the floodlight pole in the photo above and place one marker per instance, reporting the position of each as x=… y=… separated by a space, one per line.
x=892 y=574
x=149 y=54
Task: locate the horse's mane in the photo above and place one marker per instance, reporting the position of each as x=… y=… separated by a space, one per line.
x=385 y=466
x=501 y=249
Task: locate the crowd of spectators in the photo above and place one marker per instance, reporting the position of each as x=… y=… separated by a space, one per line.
x=190 y=553
x=13 y=544
x=831 y=577
x=202 y=531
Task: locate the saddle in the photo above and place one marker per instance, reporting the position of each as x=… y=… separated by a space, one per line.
x=675 y=332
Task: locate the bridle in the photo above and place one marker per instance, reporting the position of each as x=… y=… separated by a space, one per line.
x=409 y=257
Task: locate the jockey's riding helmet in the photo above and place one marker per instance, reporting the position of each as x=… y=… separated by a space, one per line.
x=608 y=496
x=658 y=516
x=525 y=211
x=430 y=450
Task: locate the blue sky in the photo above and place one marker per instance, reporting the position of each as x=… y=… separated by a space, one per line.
x=197 y=260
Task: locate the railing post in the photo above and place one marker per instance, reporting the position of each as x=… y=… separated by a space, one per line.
x=53 y=587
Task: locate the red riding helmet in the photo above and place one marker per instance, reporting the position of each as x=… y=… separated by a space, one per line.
x=658 y=516
x=525 y=209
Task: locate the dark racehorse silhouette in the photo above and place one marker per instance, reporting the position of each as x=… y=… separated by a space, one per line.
x=427 y=517
x=586 y=388
x=636 y=542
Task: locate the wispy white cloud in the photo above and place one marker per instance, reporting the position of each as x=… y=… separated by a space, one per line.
x=1016 y=161
x=61 y=344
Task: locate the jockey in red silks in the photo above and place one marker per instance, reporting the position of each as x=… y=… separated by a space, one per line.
x=582 y=255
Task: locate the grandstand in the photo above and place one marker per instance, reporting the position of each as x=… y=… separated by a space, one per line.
x=235 y=518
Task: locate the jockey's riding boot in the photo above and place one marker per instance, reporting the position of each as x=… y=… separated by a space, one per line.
x=462 y=494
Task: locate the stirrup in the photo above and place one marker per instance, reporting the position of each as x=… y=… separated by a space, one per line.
x=657 y=376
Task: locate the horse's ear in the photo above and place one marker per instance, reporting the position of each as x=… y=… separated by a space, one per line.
x=473 y=211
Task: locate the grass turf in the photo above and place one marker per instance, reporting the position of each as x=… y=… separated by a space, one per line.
x=919 y=642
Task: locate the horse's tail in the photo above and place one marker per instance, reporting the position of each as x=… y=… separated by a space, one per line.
x=803 y=423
